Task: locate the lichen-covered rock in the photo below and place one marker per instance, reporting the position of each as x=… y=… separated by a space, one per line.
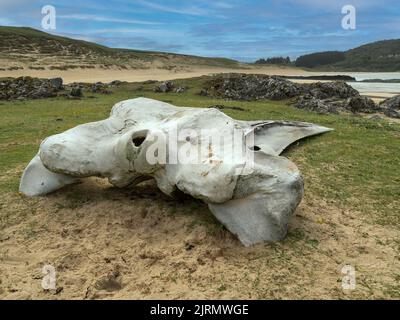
x=326 y=90
x=57 y=83
x=357 y=104
x=361 y=104
x=310 y=103
x=254 y=87
x=320 y=97
x=180 y=90
x=76 y=92
x=251 y=87
x=391 y=107
x=164 y=87
x=29 y=88
x=100 y=87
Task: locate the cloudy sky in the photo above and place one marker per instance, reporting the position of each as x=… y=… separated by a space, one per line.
x=243 y=30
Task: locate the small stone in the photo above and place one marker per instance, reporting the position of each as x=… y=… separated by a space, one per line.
x=164 y=87
x=76 y=92
x=57 y=83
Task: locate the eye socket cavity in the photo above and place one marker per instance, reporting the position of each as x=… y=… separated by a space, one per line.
x=139 y=137
x=255 y=148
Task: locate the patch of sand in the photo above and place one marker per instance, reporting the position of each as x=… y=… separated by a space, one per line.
x=139 y=244
x=137 y=75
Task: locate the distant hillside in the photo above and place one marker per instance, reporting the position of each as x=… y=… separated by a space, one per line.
x=377 y=56
x=27 y=48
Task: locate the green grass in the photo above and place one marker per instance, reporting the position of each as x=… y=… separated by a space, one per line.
x=356 y=166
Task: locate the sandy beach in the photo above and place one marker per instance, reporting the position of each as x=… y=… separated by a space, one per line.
x=137 y=75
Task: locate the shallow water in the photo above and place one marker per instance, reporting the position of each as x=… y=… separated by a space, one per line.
x=365 y=87
x=360 y=76
x=376 y=87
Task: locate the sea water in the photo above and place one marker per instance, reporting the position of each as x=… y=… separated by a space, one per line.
x=378 y=87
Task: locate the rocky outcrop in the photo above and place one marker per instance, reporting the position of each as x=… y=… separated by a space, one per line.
x=320 y=97
x=360 y=104
x=326 y=90
x=100 y=87
x=251 y=87
x=391 y=107
x=29 y=88
x=356 y=104
x=97 y=87
x=76 y=92
x=34 y=88
x=310 y=103
x=254 y=87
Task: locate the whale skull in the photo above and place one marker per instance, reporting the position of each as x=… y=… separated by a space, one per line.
x=254 y=205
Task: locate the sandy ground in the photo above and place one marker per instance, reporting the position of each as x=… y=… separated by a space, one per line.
x=96 y=75
x=137 y=243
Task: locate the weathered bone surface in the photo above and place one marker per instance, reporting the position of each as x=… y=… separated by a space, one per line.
x=256 y=206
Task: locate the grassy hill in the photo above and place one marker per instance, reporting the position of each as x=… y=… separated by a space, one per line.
x=28 y=48
x=377 y=56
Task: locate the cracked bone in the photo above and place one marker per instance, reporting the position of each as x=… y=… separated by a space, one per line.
x=254 y=205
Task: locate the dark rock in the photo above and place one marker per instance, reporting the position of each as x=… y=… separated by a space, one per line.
x=100 y=87
x=76 y=92
x=391 y=107
x=325 y=90
x=354 y=104
x=321 y=97
x=392 y=113
x=361 y=104
x=310 y=103
x=164 y=87
x=391 y=103
x=29 y=88
x=115 y=83
x=203 y=92
x=251 y=87
x=57 y=83
x=221 y=107
x=180 y=90
x=254 y=87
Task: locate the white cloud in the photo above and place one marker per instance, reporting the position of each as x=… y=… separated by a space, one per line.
x=194 y=11
x=334 y=4
x=136 y=31
x=106 y=19
x=223 y=5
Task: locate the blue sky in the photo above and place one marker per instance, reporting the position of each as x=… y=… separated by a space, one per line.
x=243 y=30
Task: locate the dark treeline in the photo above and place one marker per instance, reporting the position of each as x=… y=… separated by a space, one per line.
x=274 y=60
x=320 y=59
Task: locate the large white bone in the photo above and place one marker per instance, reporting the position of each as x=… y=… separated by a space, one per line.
x=256 y=206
